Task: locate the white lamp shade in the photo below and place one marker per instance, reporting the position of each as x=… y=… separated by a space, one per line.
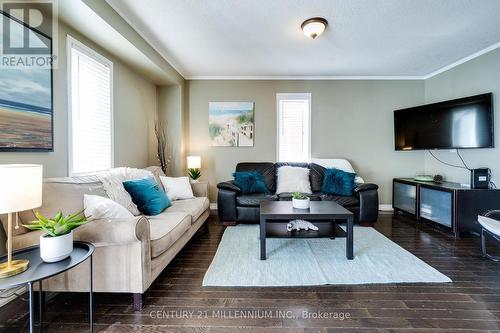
x=20 y=187
x=194 y=162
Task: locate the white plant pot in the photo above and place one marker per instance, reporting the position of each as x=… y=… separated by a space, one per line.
x=194 y=181
x=53 y=249
x=301 y=203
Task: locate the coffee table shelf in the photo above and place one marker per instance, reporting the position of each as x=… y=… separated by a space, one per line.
x=327 y=229
x=274 y=215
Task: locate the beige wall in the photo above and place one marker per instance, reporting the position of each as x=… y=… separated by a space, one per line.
x=134 y=110
x=480 y=75
x=350 y=119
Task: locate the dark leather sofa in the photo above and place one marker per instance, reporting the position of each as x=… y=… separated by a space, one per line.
x=234 y=207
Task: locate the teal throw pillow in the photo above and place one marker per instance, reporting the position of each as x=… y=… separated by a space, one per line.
x=338 y=182
x=147 y=195
x=250 y=182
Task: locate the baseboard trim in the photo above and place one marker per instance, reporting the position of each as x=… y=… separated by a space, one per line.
x=385 y=207
x=381 y=207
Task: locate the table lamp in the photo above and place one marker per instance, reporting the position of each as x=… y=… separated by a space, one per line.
x=194 y=165
x=20 y=189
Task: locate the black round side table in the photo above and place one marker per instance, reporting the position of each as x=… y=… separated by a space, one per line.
x=39 y=270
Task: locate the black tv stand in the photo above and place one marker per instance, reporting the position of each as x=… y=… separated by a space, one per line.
x=448 y=204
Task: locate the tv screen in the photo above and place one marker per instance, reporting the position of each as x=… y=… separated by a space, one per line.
x=459 y=123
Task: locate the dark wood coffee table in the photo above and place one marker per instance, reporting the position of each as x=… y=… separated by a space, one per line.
x=274 y=215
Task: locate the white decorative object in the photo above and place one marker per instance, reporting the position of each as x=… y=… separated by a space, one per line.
x=97 y=207
x=301 y=225
x=293 y=179
x=53 y=249
x=177 y=187
x=112 y=181
x=301 y=203
x=338 y=163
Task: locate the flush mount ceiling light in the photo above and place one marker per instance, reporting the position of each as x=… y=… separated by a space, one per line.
x=314 y=27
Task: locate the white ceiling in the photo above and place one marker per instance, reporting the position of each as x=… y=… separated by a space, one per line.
x=365 y=38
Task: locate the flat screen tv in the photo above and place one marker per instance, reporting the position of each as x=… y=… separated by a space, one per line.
x=459 y=123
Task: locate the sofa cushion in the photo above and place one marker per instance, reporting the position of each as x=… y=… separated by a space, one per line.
x=193 y=207
x=346 y=201
x=316 y=176
x=254 y=199
x=338 y=182
x=165 y=229
x=287 y=196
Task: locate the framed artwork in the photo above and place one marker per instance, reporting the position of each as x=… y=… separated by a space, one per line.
x=231 y=124
x=26 y=101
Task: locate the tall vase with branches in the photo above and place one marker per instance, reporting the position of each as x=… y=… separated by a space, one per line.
x=161 y=140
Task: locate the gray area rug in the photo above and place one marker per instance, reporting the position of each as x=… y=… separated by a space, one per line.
x=309 y=262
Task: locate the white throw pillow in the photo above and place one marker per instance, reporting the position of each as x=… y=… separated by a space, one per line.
x=177 y=187
x=99 y=207
x=293 y=179
x=338 y=163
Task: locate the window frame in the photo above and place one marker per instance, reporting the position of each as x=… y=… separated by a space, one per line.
x=71 y=43
x=293 y=96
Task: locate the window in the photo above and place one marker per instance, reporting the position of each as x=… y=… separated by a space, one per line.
x=90 y=82
x=294 y=127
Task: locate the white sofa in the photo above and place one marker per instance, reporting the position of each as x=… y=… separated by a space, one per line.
x=130 y=253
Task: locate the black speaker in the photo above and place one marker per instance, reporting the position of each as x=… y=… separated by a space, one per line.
x=480 y=178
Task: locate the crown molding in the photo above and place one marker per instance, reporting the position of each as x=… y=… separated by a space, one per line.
x=298 y=77
x=462 y=61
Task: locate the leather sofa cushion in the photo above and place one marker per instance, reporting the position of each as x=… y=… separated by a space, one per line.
x=165 y=229
x=287 y=196
x=254 y=199
x=316 y=176
x=341 y=200
x=193 y=207
x=265 y=168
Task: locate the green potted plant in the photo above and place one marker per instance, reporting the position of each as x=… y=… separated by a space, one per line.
x=56 y=243
x=300 y=200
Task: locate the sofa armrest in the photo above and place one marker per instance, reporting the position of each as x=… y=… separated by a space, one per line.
x=226 y=205
x=104 y=232
x=367 y=195
x=200 y=189
x=365 y=187
x=229 y=185
x=494 y=214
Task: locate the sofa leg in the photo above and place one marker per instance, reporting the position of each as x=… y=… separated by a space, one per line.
x=138 y=301
x=366 y=224
x=229 y=223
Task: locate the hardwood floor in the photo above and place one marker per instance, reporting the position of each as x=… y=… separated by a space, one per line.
x=176 y=302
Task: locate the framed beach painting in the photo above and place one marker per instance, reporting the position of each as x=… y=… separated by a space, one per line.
x=26 y=102
x=231 y=124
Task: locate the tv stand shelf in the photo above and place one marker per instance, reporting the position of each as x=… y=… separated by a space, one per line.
x=448 y=204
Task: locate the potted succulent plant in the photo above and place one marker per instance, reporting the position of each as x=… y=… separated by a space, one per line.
x=56 y=243
x=300 y=200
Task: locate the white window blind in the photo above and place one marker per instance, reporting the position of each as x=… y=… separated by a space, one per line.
x=91 y=116
x=294 y=119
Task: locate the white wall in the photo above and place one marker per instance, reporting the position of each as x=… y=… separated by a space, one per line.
x=350 y=119
x=135 y=108
x=480 y=75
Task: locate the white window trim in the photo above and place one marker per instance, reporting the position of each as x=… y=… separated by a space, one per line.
x=70 y=43
x=292 y=96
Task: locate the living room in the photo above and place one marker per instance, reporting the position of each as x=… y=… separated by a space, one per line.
x=359 y=106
